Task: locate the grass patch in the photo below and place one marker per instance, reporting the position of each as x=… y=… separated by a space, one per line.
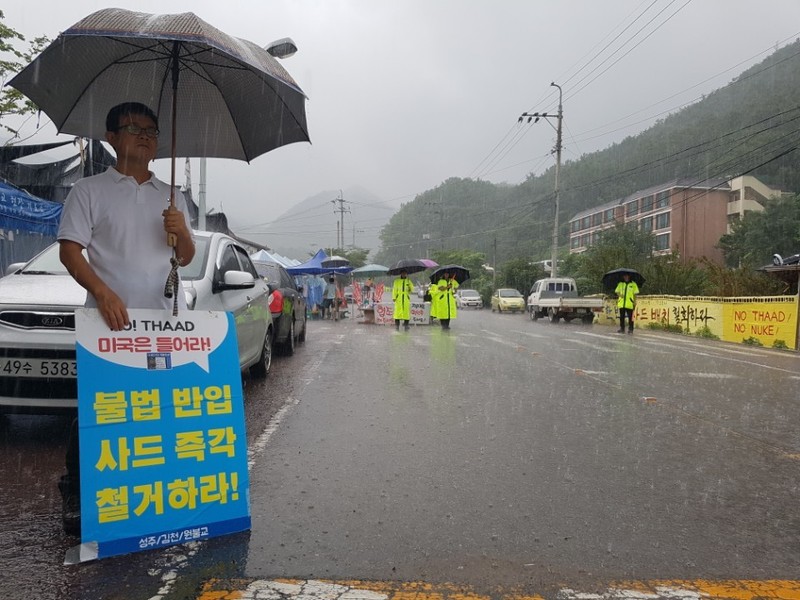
x=662 y=326
x=705 y=333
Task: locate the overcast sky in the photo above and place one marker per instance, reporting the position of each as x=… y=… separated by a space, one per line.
x=403 y=94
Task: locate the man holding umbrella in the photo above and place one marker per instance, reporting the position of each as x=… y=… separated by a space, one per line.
x=443 y=301
x=626 y=292
x=120 y=218
x=402 y=288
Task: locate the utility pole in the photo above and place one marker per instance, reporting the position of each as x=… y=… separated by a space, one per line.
x=494 y=265
x=201 y=196
x=354 y=234
x=559 y=118
x=437 y=209
x=340 y=223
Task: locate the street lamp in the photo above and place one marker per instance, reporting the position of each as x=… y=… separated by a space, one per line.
x=559 y=116
x=282 y=48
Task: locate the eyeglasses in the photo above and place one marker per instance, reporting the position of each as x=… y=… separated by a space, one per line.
x=150 y=132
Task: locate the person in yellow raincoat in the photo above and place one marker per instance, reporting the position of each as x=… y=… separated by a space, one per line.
x=443 y=299
x=626 y=291
x=401 y=295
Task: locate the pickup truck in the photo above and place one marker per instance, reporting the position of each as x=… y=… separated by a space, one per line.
x=557 y=298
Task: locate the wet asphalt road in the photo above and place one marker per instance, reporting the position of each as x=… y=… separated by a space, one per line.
x=501 y=453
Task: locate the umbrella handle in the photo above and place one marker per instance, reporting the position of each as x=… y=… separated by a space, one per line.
x=172 y=239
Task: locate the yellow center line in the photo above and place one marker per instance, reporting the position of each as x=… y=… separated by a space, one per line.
x=699 y=589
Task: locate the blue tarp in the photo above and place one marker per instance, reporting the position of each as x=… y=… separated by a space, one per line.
x=314 y=266
x=19 y=211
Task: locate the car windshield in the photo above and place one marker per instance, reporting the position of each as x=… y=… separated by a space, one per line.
x=470 y=294
x=195 y=269
x=509 y=294
x=46 y=262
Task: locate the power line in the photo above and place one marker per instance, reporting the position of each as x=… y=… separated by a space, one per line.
x=683 y=105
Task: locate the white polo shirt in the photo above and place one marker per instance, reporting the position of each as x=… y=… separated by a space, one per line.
x=119 y=222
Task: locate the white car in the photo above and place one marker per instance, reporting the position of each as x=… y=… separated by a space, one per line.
x=37 y=320
x=468 y=299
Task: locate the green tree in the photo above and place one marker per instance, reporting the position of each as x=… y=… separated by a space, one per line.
x=622 y=246
x=519 y=274
x=671 y=276
x=743 y=281
x=12 y=60
x=758 y=235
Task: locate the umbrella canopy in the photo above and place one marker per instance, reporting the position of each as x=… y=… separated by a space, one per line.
x=333 y=262
x=461 y=273
x=612 y=278
x=219 y=95
x=409 y=265
x=314 y=266
x=370 y=270
x=431 y=264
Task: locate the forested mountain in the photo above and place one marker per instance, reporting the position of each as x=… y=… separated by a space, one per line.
x=750 y=126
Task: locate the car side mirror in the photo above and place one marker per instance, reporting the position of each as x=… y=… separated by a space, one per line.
x=14 y=267
x=235 y=280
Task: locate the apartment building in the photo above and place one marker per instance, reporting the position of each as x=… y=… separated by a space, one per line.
x=683 y=215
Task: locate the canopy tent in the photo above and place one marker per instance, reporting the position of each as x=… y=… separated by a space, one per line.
x=314 y=266
x=263 y=255
x=27 y=224
x=20 y=211
x=52 y=180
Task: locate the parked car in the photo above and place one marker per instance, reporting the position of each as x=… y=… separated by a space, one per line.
x=37 y=320
x=286 y=303
x=468 y=299
x=508 y=300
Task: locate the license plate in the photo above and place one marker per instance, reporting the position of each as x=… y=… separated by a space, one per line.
x=38 y=367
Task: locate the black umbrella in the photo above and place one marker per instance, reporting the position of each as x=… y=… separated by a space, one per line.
x=333 y=262
x=215 y=95
x=461 y=273
x=612 y=278
x=409 y=265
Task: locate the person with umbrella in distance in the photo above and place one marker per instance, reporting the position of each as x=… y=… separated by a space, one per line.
x=402 y=288
x=443 y=300
x=626 y=292
x=120 y=218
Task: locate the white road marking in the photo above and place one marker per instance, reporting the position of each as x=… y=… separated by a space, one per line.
x=712 y=375
x=687 y=345
x=176 y=555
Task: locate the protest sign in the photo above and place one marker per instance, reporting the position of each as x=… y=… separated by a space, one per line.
x=163 y=449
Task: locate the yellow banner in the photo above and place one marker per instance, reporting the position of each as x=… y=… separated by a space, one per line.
x=771 y=321
x=768 y=322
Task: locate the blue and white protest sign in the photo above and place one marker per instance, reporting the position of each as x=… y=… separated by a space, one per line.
x=163 y=449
